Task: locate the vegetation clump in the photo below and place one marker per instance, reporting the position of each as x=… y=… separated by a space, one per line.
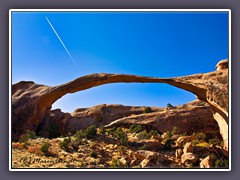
x=65 y=144
x=116 y=163
x=121 y=136
x=45 y=148
x=28 y=135
x=148 y=110
x=136 y=128
x=175 y=130
x=93 y=154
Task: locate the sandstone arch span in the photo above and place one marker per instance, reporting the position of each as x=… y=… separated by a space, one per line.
x=31 y=102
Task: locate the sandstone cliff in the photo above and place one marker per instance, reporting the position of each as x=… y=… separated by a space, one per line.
x=31 y=103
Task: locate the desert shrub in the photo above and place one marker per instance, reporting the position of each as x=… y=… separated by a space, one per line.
x=121 y=149
x=221 y=163
x=144 y=135
x=25 y=145
x=203 y=144
x=154 y=133
x=45 y=148
x=175 y=130
x=169 y=134
x=168 y=143
x=91 y=131
x=121 y=136
x=93 y=154
x=195 y=142
x=79 y=134
x=144 y=147
x=201 y=136
x=169 y=106
x=214 y=141
x=28 y=135
x=136 y=128
x=147 y=110
x=116 y=163
x=111 y=131
x=75 y=143
x=102 y=130
x=65 y=144
x=213 y=156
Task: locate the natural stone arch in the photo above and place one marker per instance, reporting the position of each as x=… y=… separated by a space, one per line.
x=31 y=102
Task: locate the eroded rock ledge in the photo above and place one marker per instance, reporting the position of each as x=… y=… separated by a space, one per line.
x=31 y=102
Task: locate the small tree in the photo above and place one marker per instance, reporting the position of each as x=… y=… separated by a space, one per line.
x=28 y=135
x=134 y=128
x=169 y=106
x=169 y=134
x=201 y=136
x=65 y=144
x=91 y=131
x=45 y=148
x=147 y=110
x=175 y=130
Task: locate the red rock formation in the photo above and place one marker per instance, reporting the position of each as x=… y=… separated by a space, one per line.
x=32 y=102
x=192 y=117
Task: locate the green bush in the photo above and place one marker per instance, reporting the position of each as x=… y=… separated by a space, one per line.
x=45 y=147
x=28 y=135
x=214 y=141
x=79 y=134
x=221 y=163
x=136 y=128
x=144 y=135
x=147 y=110
x=175 y=130
x=65 y=144
x=111 y=131
x=168 y=143
x=154 y=133
x=116 y=163
x=144 y=147
x=121 y=136
x=93 y=154
x=102 y=130
x=195 y=142
x=91 y=131
x=121 y=148
x=169 y=106
x=169 y=134
x=201 y=136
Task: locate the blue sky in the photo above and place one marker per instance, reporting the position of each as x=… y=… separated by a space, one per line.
x=158 y=44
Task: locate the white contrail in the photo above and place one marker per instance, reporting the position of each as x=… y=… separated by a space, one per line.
x=60 y=40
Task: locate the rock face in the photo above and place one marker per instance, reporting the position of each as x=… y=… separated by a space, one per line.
x=31 y=102
x=222 y=65
x=206 y=163
x=190 y=118
x=189 y=158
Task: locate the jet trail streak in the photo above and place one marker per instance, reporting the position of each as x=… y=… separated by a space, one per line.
x=61 y=41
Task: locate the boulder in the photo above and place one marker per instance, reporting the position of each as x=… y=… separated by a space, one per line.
x=145 y=163
x=181 y=141
x=206 y=162
x=178 y=153
x=188 y=148
x=189 y=158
